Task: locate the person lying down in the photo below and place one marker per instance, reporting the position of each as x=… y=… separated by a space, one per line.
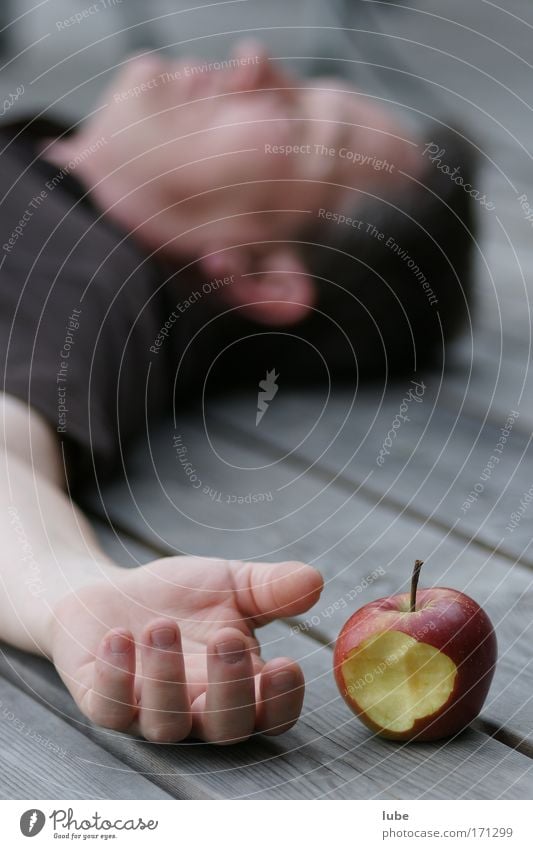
x=272 y=191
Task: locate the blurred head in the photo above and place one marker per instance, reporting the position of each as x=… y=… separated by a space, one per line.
x=230 y=163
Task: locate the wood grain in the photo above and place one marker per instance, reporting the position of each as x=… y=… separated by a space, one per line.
x=328 y=754
x=364 y=548
x=43 y=757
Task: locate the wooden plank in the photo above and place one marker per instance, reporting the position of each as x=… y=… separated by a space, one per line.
x=492 y=359
x=504 y=589
x=384 y=522
x=459 y=60
x=123 y=548
x=329 y=753
x=344 y=531
x=499 y=348
x=438 y=457
x=490 y=382
x=42 y=757
x=270 y=769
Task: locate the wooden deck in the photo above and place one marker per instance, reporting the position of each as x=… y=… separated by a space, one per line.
x=332 y=506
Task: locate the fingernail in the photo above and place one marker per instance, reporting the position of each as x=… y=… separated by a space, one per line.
x=119 y=644
x=231 y=651
x=282 y=681
x=163 y=638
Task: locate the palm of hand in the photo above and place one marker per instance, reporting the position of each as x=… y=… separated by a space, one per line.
x=164 y=692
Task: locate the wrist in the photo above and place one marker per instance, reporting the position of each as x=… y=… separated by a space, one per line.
x=79 y=576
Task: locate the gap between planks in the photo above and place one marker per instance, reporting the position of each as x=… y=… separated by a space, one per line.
x=516 y=736
x=366 y=491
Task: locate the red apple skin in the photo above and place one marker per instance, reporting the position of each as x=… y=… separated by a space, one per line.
x=450 y=621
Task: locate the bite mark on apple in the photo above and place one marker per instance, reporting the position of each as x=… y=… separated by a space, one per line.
x=396 y=680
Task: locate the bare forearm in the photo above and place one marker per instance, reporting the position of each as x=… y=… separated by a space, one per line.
x=48 y=547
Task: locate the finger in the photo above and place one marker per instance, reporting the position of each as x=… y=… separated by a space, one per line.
x=266 y=591
x=281 y=694
x=197 y=672
x=111 y=701
x=227 y=712
x=165 y=714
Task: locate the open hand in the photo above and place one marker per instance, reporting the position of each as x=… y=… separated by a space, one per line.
x=167 y=650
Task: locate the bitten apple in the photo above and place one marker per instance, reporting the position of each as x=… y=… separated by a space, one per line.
x=419 y=665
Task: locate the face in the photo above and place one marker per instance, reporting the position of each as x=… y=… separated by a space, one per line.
x=265 y=148
x=231 y=164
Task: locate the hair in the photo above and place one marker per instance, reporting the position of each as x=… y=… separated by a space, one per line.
x=387 y=304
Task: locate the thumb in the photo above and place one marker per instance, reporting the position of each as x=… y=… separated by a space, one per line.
x=267 y=591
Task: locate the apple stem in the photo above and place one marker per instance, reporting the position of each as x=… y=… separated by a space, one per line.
x=414 y=585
